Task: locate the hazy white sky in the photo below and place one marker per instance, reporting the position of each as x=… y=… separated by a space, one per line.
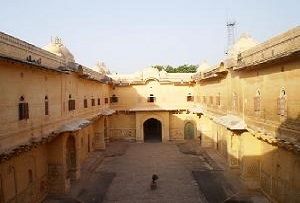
x=133 y=34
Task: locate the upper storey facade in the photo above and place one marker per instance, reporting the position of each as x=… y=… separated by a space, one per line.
x=259 y=86
x=153 y=90
x=44 y=93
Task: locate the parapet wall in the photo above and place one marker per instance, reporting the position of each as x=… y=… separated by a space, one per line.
x=14 y=48
x=277 y=47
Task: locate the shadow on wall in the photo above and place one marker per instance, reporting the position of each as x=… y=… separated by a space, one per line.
x=280 y=165
x=274 y=167
x=289 y=130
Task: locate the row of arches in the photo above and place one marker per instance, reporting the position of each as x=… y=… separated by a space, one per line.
x=72 y=161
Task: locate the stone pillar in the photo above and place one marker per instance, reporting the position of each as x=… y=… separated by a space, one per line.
x=57 y=183
x=206 y=132
x=165 y=127
x=106 y=131
x=233 y=146
x=250 y=163
x=139 y=127
x=99 y=142
x=77 y=169
x=63 y=165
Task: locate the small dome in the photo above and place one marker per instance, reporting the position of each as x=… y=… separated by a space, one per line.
x=150 y=73
x=102 y=68
x=204 y=66
x=242 y=44
x=163 y=74
x=57 y=47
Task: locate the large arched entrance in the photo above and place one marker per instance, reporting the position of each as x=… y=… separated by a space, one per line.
x=152 y=130
x=189 y=131
x=71 y=158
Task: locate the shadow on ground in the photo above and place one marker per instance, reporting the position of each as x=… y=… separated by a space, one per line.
x=95 y=188
x=216 y=182
x=93 y=184
x=90 y=190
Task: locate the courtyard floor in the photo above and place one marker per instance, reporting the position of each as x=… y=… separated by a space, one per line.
x=186 y=173
x=135 y=169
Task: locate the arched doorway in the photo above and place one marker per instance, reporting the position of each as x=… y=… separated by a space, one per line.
x=189 y=131
x=152 y=130
x=71 y=158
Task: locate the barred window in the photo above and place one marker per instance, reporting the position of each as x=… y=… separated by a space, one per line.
x=151 y=98
x=93 y=102
x=23 y=109
x=282 y=104
x=98 y=101
x=190 y=98
x=114 y=99
x=71 y=103
x=85 y=104
x=46 y=105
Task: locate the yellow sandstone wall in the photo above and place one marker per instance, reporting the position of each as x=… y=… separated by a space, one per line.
x=122 y=126
x=34 y=85
x=178 y=122
x=275 y=170
x=167 y=95
x=47 y=161
x=24 y=177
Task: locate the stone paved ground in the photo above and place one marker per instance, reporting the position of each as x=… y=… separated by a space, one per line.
x=135 y=169
x=187 y=173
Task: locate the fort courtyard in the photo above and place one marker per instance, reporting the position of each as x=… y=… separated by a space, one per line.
x=123 y=174
x=222 y=132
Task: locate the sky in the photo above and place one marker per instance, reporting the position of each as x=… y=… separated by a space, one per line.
x=131 y=35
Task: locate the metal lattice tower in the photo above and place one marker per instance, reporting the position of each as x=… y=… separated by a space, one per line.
x=230 y=34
